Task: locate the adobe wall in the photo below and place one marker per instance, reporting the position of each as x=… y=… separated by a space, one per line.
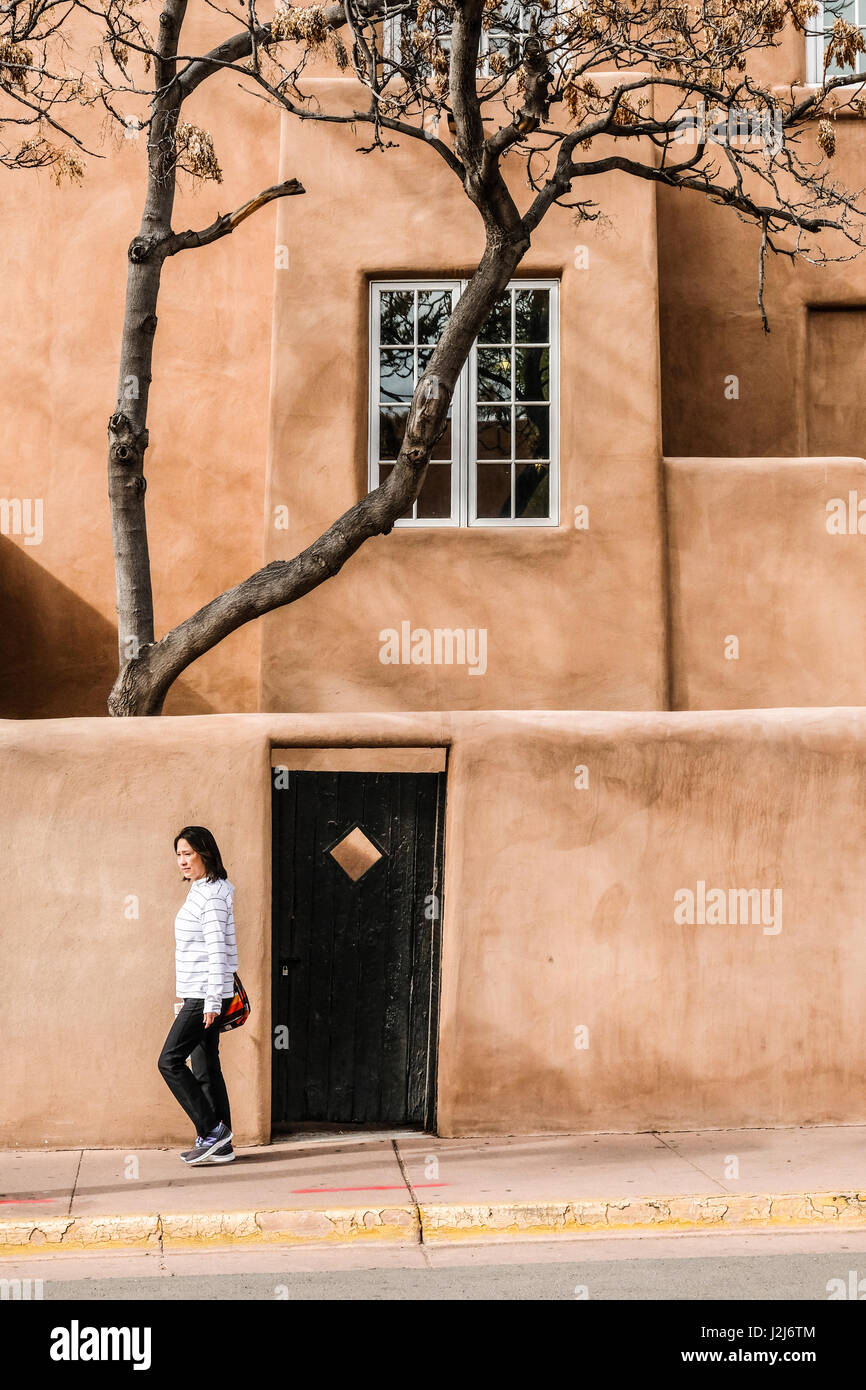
x=65 y=260
x=558 y=917
x=766 y=581
x=590 y=631
x=711 y=329
x=573 y=617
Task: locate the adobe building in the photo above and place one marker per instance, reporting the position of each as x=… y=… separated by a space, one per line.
x=546 y=813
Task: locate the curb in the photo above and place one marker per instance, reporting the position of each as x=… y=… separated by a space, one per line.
x=187 y=1230
x=724 y=1212
x=434 y=1223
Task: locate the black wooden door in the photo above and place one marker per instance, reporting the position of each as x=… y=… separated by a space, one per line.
x=356 y=926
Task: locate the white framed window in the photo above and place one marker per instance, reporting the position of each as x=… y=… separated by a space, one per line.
x=820 y=25
x=493 y=40
x=497 y=463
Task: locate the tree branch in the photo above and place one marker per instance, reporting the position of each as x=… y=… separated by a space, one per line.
x=228 y=221
x=463 y=90
x=243 y=44
x=142 y=684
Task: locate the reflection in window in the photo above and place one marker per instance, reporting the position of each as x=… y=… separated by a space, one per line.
x=495 y=462
x=515 y=433
x=819 y=28
x=410 y=320
x=510 y=21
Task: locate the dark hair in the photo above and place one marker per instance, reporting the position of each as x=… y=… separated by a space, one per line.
x=199 y=838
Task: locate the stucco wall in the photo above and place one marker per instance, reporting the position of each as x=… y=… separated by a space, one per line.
x=558 y=916
x=573 y=617
x=566 y=909
x=61 y=313
x=766 y=584
x=711 y=329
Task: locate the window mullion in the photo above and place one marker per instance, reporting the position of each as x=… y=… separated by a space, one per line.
x=466 y=414
x=375 y=390
x=415 y=373
x=471 y=436
x=512 y=352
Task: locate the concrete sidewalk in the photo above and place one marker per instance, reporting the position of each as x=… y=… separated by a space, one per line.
x=406 y=1187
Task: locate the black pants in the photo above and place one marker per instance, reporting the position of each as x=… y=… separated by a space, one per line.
x=201 y=1091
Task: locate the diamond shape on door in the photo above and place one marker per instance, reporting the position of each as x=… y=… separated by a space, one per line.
x=355 y=853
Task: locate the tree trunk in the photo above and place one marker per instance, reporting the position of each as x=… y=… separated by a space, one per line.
x=127 y=428
x=152 y=667
x=142 y=685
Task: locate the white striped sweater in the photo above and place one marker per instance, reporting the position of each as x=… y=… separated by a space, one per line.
x=206 y=953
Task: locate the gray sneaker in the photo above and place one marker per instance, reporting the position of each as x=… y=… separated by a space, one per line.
x=226 y=1155
x=205 y=1149
x=189 y=1154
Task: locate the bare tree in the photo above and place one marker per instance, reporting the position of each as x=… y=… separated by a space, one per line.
x=477 y=82
x=42 y=89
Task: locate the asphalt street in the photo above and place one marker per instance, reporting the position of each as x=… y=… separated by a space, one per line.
x=797 y=1266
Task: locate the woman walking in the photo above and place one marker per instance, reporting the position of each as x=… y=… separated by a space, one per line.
x=205 y=961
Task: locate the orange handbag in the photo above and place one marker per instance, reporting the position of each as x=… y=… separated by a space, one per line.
x=237 y=1010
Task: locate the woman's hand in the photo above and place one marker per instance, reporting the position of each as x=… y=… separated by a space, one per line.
x=209 y=1019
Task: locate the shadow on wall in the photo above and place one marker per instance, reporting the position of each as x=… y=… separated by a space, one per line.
x=58 y=655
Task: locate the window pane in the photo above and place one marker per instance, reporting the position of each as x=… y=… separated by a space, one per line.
x=494 y=489
x=434 y=310
x=532 y=490
x=384 y=470
x=532 y=374
x=494 y=374
x=511 y=448
x=434 y=500
x=532 y=428
x=532 y=316
x=497 y=329
x=494 y=433
x=392 y=427
x=442 y=447
x=499 y=42
x=397 y=315
x=396 y=374
x=843 y=9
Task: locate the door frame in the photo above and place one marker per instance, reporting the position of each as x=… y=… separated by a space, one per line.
x=396 y=758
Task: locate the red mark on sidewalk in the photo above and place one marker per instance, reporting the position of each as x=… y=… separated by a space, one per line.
x=23 y=1201
x=384 y=1187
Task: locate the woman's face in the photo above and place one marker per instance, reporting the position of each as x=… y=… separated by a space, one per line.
x=189 y=861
